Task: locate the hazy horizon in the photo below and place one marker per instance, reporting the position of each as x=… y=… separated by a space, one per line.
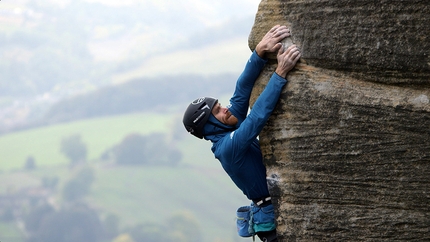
x=56 y=49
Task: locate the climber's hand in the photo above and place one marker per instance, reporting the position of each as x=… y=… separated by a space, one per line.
x=271 y=41
x=287 y=59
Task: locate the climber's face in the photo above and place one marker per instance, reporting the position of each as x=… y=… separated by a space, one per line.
x=223 y=115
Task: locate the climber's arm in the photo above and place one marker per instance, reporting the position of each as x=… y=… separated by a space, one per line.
x=269 y=43
x=239 y=102
x=266 y=102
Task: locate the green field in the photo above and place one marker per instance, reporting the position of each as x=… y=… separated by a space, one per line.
x=154 y=194
x=98 y=134
x=142 y=194
x=10 y=233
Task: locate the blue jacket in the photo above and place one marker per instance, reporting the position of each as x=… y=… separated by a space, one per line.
x=239 y=150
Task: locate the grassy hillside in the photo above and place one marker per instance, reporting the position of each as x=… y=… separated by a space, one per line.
x=141 y=194
x=154 y=194
x=9 y=232
x=98 y=134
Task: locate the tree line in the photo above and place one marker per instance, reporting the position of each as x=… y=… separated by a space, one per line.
x=140 y=95
x=134 y=149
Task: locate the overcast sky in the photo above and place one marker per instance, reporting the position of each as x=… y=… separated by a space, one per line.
x=171 y=21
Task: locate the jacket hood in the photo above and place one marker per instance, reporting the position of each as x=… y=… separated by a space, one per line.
x=215 y=130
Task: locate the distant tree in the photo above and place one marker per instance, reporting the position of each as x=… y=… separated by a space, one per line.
x=50 y=182
x=78 y=223
x=184 y=227
x=106 y=155
x=7 y=215
x=74 y=149
x=136 y=149
x=111 y=226
x=35 y=217
x=131 y=151
x=30 y=163
x=160 y=152
x=79 y=186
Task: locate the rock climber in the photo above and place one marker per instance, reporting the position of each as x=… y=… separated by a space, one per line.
x=233 y=133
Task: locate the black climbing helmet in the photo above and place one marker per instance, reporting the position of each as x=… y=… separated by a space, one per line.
x=197 y=114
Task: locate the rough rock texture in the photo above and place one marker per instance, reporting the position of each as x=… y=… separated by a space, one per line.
x=348 y=147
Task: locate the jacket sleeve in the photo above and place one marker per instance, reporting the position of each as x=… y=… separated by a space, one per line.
x=240 y=100
x=248 y=131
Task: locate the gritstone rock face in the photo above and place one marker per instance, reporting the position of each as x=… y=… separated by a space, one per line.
x=349 y=142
